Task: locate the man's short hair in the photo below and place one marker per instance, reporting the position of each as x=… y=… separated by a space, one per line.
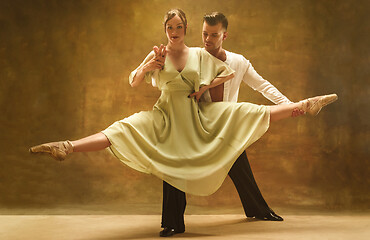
x=216 y=18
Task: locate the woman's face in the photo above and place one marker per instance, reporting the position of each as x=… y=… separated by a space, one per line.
x=175 y=30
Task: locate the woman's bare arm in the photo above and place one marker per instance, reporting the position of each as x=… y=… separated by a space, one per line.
x=217 y=81
x=155 y=60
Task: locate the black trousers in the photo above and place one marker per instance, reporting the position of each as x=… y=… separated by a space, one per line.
x=174 y=200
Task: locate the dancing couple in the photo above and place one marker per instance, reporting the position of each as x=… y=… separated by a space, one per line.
x=196 y=133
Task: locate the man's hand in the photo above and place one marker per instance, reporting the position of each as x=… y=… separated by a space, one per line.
x=157 y=62
x=297 y=112
x=160 y=54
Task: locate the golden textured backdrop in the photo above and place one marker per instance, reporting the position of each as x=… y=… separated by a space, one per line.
x=64 y=67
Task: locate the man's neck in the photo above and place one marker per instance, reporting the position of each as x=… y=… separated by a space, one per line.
x=219 y=53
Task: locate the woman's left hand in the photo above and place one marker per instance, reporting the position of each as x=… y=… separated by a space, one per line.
x=198 y=94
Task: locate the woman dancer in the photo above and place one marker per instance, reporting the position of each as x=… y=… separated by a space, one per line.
x=189 y=144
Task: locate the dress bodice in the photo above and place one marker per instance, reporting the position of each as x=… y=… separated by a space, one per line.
x=200 y=69
x=169 y=79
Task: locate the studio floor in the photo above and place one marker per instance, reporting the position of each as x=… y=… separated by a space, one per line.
x=115 y=227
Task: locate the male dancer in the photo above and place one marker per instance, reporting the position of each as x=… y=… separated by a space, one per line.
x=174 y=200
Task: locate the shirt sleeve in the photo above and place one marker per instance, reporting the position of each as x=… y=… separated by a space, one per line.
x=210 y=68
x=255 y=81
x=149 y=76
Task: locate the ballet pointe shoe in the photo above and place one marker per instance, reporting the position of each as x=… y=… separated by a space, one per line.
x=58 y=150
x=314 y=105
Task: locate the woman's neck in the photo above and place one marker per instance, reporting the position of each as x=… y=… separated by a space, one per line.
x=176 y=47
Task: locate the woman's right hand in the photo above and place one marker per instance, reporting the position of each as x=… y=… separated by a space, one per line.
x=157 y=62
x=160 y=53
x=158 y=57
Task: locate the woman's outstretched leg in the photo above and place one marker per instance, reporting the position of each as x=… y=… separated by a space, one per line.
x=59 y=150
x=311 y=106
x=278 y=112
x=91 y=143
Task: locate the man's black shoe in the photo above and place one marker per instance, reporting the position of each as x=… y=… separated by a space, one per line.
x=168 y=232
x=271 y=216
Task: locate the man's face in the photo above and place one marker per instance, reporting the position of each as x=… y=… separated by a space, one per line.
x=213 y=36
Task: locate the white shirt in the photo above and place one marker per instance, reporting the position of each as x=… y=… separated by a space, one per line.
x=245 y=72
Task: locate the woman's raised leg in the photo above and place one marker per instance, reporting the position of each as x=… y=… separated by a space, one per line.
x=59 y=150
x=91 y=143
x=310 y=105
x=278 y=112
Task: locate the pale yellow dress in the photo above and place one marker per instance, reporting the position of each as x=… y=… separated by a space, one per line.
x=190 y=145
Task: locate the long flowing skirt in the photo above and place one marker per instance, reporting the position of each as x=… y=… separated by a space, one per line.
x=190 y=145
